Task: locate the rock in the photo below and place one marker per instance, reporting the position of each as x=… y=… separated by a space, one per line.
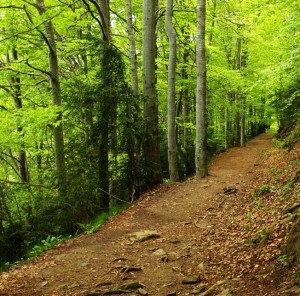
x=126 y=269
x=174 y=241
x=191 y=279
x=118 y=289
x=141 y=291
x=129 y=286
x=172 y=294
x=201 y=266
x=44 y=283
x=85 y=264
x=203 y=224
x=141 y=236
x=160 y=252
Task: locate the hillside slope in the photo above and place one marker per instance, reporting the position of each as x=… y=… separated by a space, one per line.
x=218 y=236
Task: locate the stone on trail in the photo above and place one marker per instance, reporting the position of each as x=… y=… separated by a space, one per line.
x=141 y=236
x=191 y=279
x=127 y=269
x=142 y=291
x=160 y=252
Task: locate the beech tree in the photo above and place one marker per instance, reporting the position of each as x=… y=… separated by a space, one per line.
x=151 y=145
x=133 y=54
x=172 y=143
x=201 y=113
x=57 y=127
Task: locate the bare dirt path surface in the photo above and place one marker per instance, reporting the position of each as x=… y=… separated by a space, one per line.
x=198 y=247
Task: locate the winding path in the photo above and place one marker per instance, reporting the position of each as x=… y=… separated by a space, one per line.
x=184 y=215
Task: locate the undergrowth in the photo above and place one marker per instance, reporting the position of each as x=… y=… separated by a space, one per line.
x=52 y=241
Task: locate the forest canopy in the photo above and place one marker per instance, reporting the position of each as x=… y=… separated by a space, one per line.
x=92 y=114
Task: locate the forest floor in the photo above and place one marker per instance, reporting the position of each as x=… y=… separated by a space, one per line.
x=222 y=235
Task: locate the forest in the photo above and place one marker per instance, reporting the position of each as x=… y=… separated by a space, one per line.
x=102 y=100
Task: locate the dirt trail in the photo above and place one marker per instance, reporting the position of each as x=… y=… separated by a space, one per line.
x=185 y=215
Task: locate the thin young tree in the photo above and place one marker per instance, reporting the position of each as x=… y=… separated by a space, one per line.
x=201 y=109
x=172 y=143
x=15 y=83
x=133 y=56
x=58 y=133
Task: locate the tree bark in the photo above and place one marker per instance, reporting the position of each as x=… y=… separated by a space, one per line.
x=151 y=145
x=105 y=110
x=133 y=57
x=56 y=100
x=17 y=97
x=172 y=142
x=201 y=109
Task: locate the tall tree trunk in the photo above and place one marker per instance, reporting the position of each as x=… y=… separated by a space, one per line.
x=105 y=108
x=241 y=62
x=133 y=56
x=201 y=109
x=104 y=15
x=133 y=146
x=17 y=97
x=187 y=106
x=172 y=150
x=239 y=116
x=56 y=100
x=151 y=145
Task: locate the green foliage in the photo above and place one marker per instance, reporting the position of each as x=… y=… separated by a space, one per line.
x=262 y=190
x=250 y=220
x=46 y=244
x=285 y=260
x=94 y=225
x=286 y=190
x=260 y=237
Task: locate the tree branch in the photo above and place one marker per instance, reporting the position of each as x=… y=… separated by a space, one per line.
x=37 y=69
x=7 y=162
x=26 y=184
x=11 y=6
x=94 y=17
x=123 y=19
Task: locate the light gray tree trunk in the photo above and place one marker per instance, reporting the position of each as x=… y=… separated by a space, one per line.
x=56 y=100
x=133 y=57
x=104 y=15
x=241 y=61
x=172 y=143
x=201 y=109
x=151 y=145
